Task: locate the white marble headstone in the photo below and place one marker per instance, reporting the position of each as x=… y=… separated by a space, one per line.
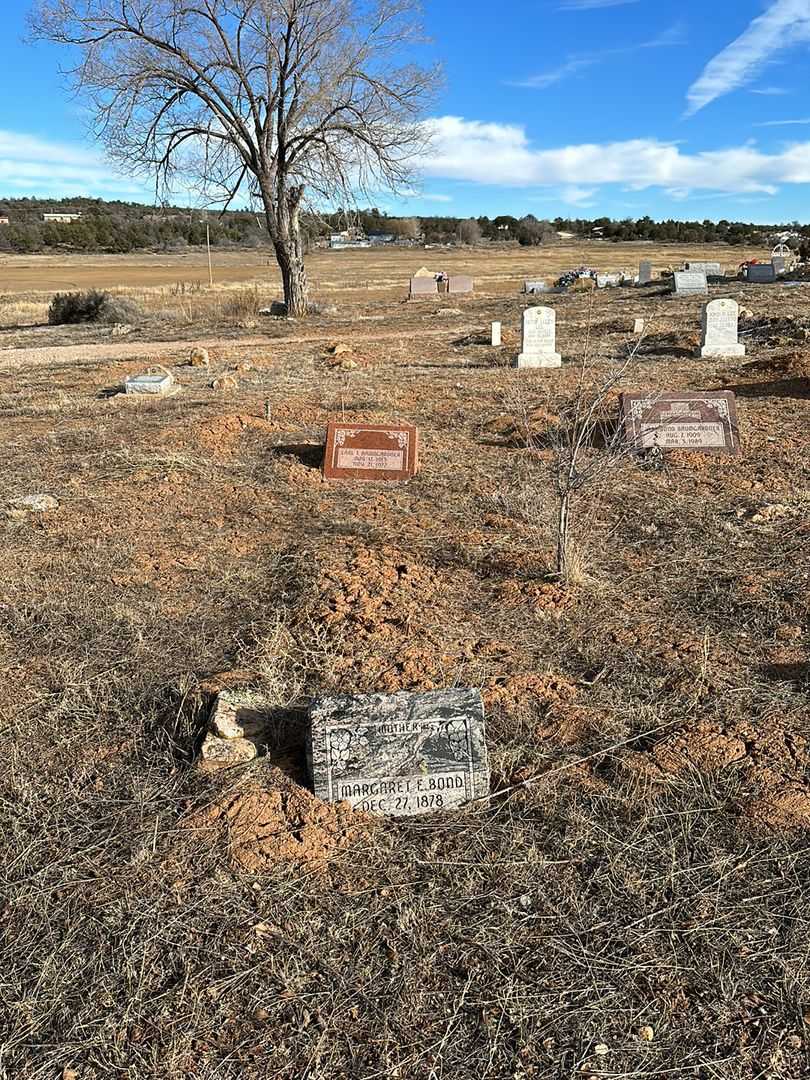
x=719 y=329
x=538 y=340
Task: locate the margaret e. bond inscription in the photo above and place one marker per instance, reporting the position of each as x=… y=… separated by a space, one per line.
x=371 y=451
x=682 y=420
x=402 y=753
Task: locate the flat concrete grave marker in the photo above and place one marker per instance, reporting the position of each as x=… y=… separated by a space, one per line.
x=719 y=329
x=690 y=283
x=762 y=273
x=422 y=287
x=459 y=284
x=532 y=287
x=357 y=451
x=400 y=754
x=608 y=281
x=682 y=420
x=538 y=339
x=496 y=334
x=645 y=272
x=153 y=384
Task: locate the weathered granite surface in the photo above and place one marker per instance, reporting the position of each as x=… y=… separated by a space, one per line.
x=237 y=728
x=400 y=754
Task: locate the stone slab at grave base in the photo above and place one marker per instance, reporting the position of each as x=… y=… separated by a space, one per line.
x=237 y=729
x=719 y=352
x=528 y=360
x=400 y=754
x=153 y=384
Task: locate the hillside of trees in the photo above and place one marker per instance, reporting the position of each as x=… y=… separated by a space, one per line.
x=124 y=227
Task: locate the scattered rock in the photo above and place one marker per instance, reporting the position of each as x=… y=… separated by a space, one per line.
x=219 y=753
x=243 y=365
x=239 y=714
x=278 y=310
x=225 y=382
x=35 y=504
x=121 y=330
x=601 y=1049
x=198 y=357
x=348 y=364
x=646 y=1033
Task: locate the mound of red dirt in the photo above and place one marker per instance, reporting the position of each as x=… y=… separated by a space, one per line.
x=269 y=819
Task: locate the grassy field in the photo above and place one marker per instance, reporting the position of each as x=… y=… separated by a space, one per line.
x=635 y=905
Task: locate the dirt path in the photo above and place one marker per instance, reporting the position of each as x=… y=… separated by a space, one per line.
x=61 y=355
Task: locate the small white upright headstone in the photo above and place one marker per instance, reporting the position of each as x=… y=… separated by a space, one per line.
x=638 y=326
x=496 y=333
x=538 y=339
x=719 y=329
x=644 y=272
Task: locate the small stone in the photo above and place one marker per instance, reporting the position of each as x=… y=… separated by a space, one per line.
x=646 y=1033
x=36 y=504
x=601 y=1049
x=220 y=753
x=239 y=714
x=340 y=349
x=795 y=1042
x=225 y=382
x=260 y=1015
x=243 y=365
x=120 y=330
x=348 y=364
x=198 y=357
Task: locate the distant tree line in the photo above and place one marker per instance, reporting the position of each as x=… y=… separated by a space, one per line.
x=122 y=227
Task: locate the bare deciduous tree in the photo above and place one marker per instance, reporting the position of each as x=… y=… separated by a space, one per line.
x=293 y=99
x=468 y=232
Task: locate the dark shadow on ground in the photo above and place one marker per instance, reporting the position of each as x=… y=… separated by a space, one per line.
x=793 y=388
x=309 y=454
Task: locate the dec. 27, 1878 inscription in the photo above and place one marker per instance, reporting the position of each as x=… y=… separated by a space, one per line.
x=357 y=451
x=400 y=753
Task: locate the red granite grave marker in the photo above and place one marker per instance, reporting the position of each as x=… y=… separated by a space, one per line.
x=705 y=421
x=356 y=451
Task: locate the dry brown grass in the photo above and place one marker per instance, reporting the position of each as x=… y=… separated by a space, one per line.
x=643 y=877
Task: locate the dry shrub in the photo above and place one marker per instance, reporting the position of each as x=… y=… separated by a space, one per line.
x=92 y=306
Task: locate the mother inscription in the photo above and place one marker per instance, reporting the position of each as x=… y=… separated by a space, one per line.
x=400 y=754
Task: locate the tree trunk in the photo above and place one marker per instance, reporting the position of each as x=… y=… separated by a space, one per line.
x=563 y=568
x=293 y=277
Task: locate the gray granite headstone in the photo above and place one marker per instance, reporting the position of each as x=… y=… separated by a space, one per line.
x=532 y=287
x=690 y=283
x=761 y=273
x=710 y=269
x=459 y=284
x=401 y=753
x=645 y=272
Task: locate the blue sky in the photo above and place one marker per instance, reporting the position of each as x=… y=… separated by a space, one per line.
x=680 y=108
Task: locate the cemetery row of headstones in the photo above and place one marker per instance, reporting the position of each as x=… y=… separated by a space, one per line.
x=719 y=334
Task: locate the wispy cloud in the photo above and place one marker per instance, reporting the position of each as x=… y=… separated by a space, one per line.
x=784 y=24
x=591 y=5
x=30 y=165
x=576 y=62
x=782 y=123
x=501 y=154
x=771 y=91
x=436 y=198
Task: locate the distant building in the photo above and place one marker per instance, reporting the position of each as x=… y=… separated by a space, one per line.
x=62 y=217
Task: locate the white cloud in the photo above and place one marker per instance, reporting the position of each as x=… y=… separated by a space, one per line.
x=781 y=123
x=771 y=91
x=785 y=23
x=501 y=155
x=577 y=196
x=30 y=165
x=436 y=198
x=673 y=35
